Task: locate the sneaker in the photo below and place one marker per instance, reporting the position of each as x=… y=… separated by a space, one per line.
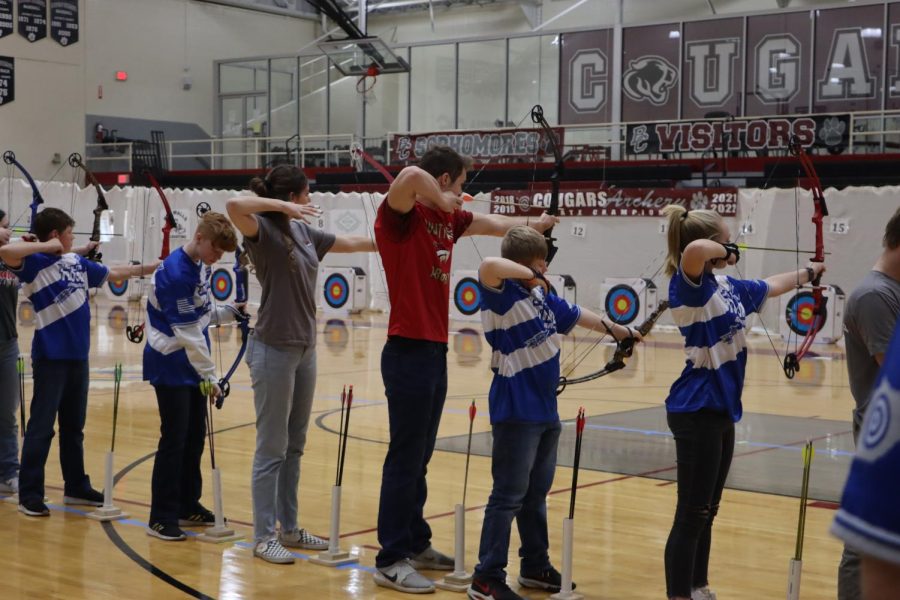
x=9 y=486
x=202 y=517
x=703 y=593
x=429 y=558
x=548 y=580
x=88 y=497
x=273 y=552
x=301 y=538
x=169 y=533
x=402 y=577
x=486 y=588
x=34 y=508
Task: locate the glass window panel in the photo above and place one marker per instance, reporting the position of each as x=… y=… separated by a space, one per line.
x=387 y=109
x=434 y=70
x=482 y=84
x=284 y=97
x=313 y=87
x=529 y=86
x=246 y=76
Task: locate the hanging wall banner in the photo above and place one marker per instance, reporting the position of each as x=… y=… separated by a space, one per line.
x=7 y=79
x=828 y=131
x=585 y=77
x=33 y=19
x=480 y=145
x=613 y=202
x=64 y=21
x=6 y=17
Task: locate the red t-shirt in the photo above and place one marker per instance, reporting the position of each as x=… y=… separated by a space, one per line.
x=416 y=251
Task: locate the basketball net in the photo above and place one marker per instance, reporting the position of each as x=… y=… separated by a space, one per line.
x=365 y=84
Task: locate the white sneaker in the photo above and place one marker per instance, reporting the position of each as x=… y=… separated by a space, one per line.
x=301 y=538
x=10 y=486
x=432 y=559
x=402 y=577
x=273 y=552
x=703 y=593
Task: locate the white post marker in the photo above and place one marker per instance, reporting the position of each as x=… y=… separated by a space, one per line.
x=218 y=533
x=108 y=512
x=565 y=591
x=796 y=566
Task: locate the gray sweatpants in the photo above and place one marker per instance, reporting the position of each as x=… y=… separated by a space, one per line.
x=283 y=385
x=9 y=410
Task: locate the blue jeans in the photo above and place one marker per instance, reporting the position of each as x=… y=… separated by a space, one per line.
x=523 y=461
x=9 y=410
x=176 y=483
x=415 y=383
x=60 y=386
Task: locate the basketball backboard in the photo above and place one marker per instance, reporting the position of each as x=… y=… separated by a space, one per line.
x=353 y=57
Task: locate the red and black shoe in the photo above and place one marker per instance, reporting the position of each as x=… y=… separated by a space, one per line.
x=487 y=588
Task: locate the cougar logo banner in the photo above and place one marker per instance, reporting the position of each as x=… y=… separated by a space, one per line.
x=649 y=78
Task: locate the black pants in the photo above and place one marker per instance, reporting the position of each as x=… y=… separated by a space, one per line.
x=176 y=482
x=415 y=382
x=704 y=446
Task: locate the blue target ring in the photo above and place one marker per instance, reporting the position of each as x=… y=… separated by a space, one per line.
x=118 y=288
x=799 y=313
x=337 y=290
x=622 y=304
x=221 y=285
x=467 y=296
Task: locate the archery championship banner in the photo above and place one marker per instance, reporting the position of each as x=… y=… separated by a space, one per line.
x=524 y=144
x=828 y=131
x=7 y=79
x=613 y=202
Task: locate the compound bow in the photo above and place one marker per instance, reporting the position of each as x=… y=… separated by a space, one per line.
x=76 y=162
x=9 y=157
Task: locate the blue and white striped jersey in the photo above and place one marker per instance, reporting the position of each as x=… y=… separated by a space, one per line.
x=57 y=287
x=711 y=316
x=179 y=297
x=522 y=327
x=869 y=519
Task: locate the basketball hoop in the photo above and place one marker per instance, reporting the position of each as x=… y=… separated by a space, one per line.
x=364 y=85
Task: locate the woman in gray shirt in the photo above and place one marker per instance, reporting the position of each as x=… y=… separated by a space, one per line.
x=281 y=353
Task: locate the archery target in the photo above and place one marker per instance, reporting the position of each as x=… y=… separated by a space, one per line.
x=799 y=313
x=221 y=285
x=117 y=318
x=117 y=288
x=467 y=296
x=337 y=290
x=622 y=304
x=26 y=313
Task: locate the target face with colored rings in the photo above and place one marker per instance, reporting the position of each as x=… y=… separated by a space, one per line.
x=118 y=288
x=221 y=284
x=467 y=296
x=799 y=313
x=622 y=304
x=337 y=290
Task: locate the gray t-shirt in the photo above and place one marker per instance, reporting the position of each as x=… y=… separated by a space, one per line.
x=286 y=267
x=869 y=317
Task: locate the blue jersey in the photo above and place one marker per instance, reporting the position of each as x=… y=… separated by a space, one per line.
x=521 y=327
x=711 y=316
x=179 y=297
x=869 y=517
x=57 y=287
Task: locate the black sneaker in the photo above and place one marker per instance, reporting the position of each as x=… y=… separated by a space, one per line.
x=34 y=508
x=549 y=580
x=169 y=533
x=88 y=497
x=487 y=588
x=201 y=517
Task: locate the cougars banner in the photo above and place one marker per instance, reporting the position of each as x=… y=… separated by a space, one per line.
x=612 y=202
x=713 y=62
x=481 y=145
x=779 y=57
x=585 y=77
x=650 y=73
x=829 y=131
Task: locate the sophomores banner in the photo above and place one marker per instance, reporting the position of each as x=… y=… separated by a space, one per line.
x=830 y=131
x=614 y=202
x=480 y=145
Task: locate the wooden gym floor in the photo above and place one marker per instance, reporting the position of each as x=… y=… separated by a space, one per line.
x=622 y=520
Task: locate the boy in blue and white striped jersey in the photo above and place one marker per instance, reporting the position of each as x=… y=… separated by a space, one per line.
x=705 y=400
x=521 y=319
x=56 y=281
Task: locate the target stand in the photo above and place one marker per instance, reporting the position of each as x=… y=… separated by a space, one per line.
x=564 y=287
x=797 y=311
x=628 y=300
x=343 y=290
x=465 y=296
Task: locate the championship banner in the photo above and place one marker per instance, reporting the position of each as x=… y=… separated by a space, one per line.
x=7 y=79
x=64 y=21
x=33 y=19
x=615 y=202
x=480 y=145
x=6 y=17
x=829 y=131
